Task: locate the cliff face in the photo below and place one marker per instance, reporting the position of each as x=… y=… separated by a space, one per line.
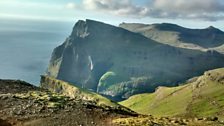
x=119 y=63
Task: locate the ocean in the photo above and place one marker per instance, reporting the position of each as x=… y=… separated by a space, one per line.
x=26 y=47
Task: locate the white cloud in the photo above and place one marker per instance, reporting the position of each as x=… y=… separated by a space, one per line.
x=188 y=9
x=121 y=7
x=211 y=10
x=189 y=6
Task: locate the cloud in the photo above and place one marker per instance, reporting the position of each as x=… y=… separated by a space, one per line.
x=121 y=7
x=211 y=10
x=188 y=9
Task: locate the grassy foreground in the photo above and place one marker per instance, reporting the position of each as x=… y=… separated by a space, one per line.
x=200 y=97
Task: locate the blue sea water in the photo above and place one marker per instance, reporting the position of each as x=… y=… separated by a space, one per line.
x=26 y=47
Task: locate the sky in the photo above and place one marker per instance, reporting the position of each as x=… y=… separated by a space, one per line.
x=188 y=13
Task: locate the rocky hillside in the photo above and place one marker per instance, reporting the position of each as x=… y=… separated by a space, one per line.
x=118 y=63
x=22 y=104
x=70 y=90
x=174 y=35
x=200 y=97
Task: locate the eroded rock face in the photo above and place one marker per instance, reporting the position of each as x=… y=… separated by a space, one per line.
x=138 y=64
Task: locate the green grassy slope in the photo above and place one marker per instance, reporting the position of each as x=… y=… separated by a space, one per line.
x=201 y=97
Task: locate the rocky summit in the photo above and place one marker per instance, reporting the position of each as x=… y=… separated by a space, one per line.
x=118 y=63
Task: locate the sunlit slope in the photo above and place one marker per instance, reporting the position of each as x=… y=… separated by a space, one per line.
x=203 y=96
x=174 y=35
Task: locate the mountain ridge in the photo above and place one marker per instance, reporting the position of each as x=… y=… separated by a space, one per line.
x=178 y=36
x=167 y=24
x=94 y=50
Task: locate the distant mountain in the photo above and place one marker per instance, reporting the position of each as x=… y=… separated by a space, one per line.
x=178 y=36
x=118 y=63
x=201 y=96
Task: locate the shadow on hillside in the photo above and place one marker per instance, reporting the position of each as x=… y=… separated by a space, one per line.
x=4 y=123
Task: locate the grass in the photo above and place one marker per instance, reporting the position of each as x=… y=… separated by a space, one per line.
x=202 y=98
x=211 y=101
x=169 y=101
